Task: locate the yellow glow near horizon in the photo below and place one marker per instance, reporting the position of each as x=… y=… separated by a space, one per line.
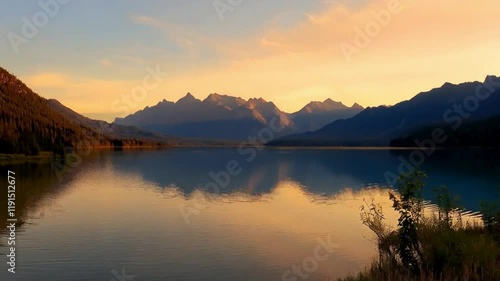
x=424 y=45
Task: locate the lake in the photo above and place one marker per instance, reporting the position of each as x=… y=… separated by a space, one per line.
x=215 y=213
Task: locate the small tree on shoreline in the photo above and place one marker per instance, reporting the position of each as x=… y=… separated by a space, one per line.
x=436 y=247
x=409 y=205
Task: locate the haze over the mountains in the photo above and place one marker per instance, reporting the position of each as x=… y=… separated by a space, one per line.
x=316 y=115
x=449 y=105
x=234 y=118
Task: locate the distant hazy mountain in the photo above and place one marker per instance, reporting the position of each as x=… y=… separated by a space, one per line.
x=316 y=115
x=232 y=118
x=103 y=127
x=377 y=126
x=216 y=117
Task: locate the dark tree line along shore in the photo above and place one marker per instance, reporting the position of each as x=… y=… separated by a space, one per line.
x=28 y=125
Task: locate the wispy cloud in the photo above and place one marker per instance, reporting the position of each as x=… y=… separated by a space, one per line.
x=185 y=38
x=428 y=43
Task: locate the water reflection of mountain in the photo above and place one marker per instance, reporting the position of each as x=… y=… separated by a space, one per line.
x=117 y=206
x=472 y=175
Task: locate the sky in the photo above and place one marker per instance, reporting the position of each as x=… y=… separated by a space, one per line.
x=106 y=59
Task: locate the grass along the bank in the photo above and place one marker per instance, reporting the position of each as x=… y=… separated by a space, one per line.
x=437 y=247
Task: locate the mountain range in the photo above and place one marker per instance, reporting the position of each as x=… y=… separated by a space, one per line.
x=233 y=118
x=448 y=104
x=468 y=112
x=108 y=129
x=316 y=115
x=30 y=124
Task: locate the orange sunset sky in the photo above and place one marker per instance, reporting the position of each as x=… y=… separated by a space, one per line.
x=90 y=54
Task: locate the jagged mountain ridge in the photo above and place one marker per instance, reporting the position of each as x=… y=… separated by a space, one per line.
x=228 y=117
x=316 y=115
x=214 y=107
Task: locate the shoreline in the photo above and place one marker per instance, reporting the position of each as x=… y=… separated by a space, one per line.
x=46 y=155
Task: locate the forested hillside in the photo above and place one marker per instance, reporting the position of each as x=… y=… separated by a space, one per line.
x=482 y=133
x=29 y=125
x=378 y=125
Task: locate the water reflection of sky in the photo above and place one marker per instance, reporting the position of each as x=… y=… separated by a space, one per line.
x=123 y=209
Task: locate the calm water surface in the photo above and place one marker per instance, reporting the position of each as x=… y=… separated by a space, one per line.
x=157 y=215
